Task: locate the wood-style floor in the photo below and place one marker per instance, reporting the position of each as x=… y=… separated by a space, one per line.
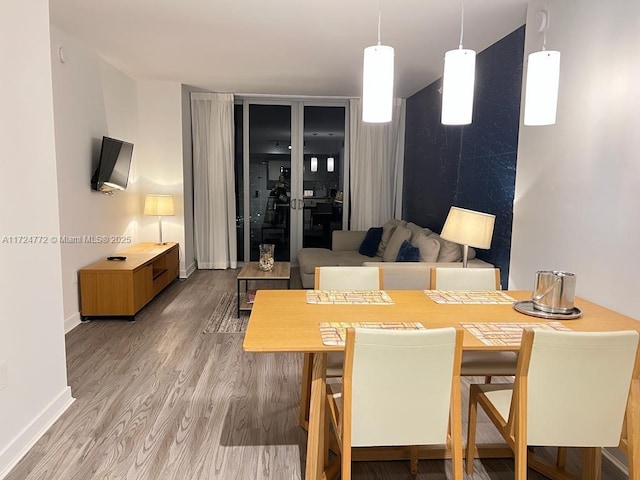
x=158 y=399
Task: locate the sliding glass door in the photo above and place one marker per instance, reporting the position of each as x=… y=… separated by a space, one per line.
x=290 y=175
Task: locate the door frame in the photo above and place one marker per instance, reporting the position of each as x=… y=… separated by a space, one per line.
x=297 y=105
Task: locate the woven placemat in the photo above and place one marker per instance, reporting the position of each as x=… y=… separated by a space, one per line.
x=334 y=333
x=355 y=297
x=469 y=297
x=507 y=334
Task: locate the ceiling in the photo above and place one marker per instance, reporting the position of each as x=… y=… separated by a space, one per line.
x=281 y=47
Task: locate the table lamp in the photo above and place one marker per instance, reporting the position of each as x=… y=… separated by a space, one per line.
x=468 y=228
x=160 y=205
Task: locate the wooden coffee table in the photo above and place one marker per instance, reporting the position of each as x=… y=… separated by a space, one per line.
x=281 y=271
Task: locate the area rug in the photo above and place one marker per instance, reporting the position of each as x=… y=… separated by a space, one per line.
x=224 y=320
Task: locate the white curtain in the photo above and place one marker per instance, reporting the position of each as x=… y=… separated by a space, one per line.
x=214 y=201
x=377 y=160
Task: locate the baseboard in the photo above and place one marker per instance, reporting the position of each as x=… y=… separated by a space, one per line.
x=71 y=322
x=617 y=458
x=188 y=271
x=18 y=448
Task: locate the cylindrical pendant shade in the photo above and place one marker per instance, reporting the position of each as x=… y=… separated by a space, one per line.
x=377 y=84
x=541 y=97
x=457 y=86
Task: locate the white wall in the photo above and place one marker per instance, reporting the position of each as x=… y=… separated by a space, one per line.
x=31 y=314
x=91 y=99
x=577 y=196
x=160 y=158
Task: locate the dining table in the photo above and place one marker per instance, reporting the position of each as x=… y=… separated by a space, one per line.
x=288 y=321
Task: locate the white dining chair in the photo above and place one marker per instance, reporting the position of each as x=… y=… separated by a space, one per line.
x=335 y=278
x=474 y=364
x=571 y=389
x=399 y=388
x=348 y=278
x=465 y=278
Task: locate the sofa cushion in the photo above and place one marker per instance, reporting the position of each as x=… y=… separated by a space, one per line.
x=449 y=251
x=369 y=245
x=352 y=259
x=429 y=247
x=310 y=258
x=399 y=235
x=408 y=253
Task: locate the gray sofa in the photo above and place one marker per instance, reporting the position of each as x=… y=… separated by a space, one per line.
x=396 y=275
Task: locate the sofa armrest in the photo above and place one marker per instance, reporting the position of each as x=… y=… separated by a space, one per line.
x=342 y=240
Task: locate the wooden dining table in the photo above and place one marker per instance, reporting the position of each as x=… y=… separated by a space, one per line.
x=283 y=321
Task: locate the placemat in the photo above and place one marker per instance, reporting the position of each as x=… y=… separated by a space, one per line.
x=335 y=333
x=469 y=296
x=355 y=297
x=508 y=334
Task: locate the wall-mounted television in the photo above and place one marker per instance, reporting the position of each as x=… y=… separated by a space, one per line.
x=112 y=172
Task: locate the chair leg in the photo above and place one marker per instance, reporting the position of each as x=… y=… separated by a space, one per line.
x=487 y=379
x=471 y=430
x=520 y=449
x=561 y=459
x=346 y=462
x=633 y=429
x=305 y=391
x=413 y=463
x=592 y=463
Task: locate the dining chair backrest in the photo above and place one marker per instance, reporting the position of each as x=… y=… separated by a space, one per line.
x=465 y=279
x=577 y=386
x=390 y=401
x=348 y=278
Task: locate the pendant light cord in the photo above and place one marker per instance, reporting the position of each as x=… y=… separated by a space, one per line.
x=461 y=24
x=379 y=19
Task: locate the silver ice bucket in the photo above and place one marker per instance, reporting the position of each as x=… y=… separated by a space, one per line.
x=554 y=291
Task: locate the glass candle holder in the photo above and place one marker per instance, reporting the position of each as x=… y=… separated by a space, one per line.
x=266 y=257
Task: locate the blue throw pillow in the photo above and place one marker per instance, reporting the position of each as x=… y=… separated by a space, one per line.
x=369 y=245
x=408 y=253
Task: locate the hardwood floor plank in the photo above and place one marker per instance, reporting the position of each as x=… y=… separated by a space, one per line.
x=156 y=399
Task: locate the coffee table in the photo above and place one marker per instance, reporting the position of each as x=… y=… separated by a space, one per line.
x=281 y=271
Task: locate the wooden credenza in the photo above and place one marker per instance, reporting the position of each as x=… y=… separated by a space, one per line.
x=123 y=287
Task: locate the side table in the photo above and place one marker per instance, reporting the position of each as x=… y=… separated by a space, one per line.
x=281 y=271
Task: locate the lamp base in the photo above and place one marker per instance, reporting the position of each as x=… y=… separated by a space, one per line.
x=465 y=255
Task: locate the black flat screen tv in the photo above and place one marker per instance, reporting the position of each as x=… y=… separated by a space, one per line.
x=112 y=172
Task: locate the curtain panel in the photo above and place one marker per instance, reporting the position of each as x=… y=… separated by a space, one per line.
x=214 y=201
x=377 y=160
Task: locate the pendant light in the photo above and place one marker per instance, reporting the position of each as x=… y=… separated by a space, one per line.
x=458 y=82
x=377 y=82
x=330 y=164
x=543 y=78
x=314 y=164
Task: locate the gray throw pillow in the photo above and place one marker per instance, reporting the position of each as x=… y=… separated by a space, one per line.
x=449 y=251
x=415 y=230
x=387 y=230
x=393 y=247
x=429 y=248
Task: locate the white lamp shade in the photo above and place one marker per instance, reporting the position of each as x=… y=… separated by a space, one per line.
x=458 y=83
x=377 y=84
x=541 y=97
x=159 y=205
x=468 y=227
x=330 y=165
x=314 y=164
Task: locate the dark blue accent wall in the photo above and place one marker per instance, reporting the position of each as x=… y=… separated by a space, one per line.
x=472 y=166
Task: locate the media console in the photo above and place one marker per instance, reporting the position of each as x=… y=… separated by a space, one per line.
x=112 y=288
